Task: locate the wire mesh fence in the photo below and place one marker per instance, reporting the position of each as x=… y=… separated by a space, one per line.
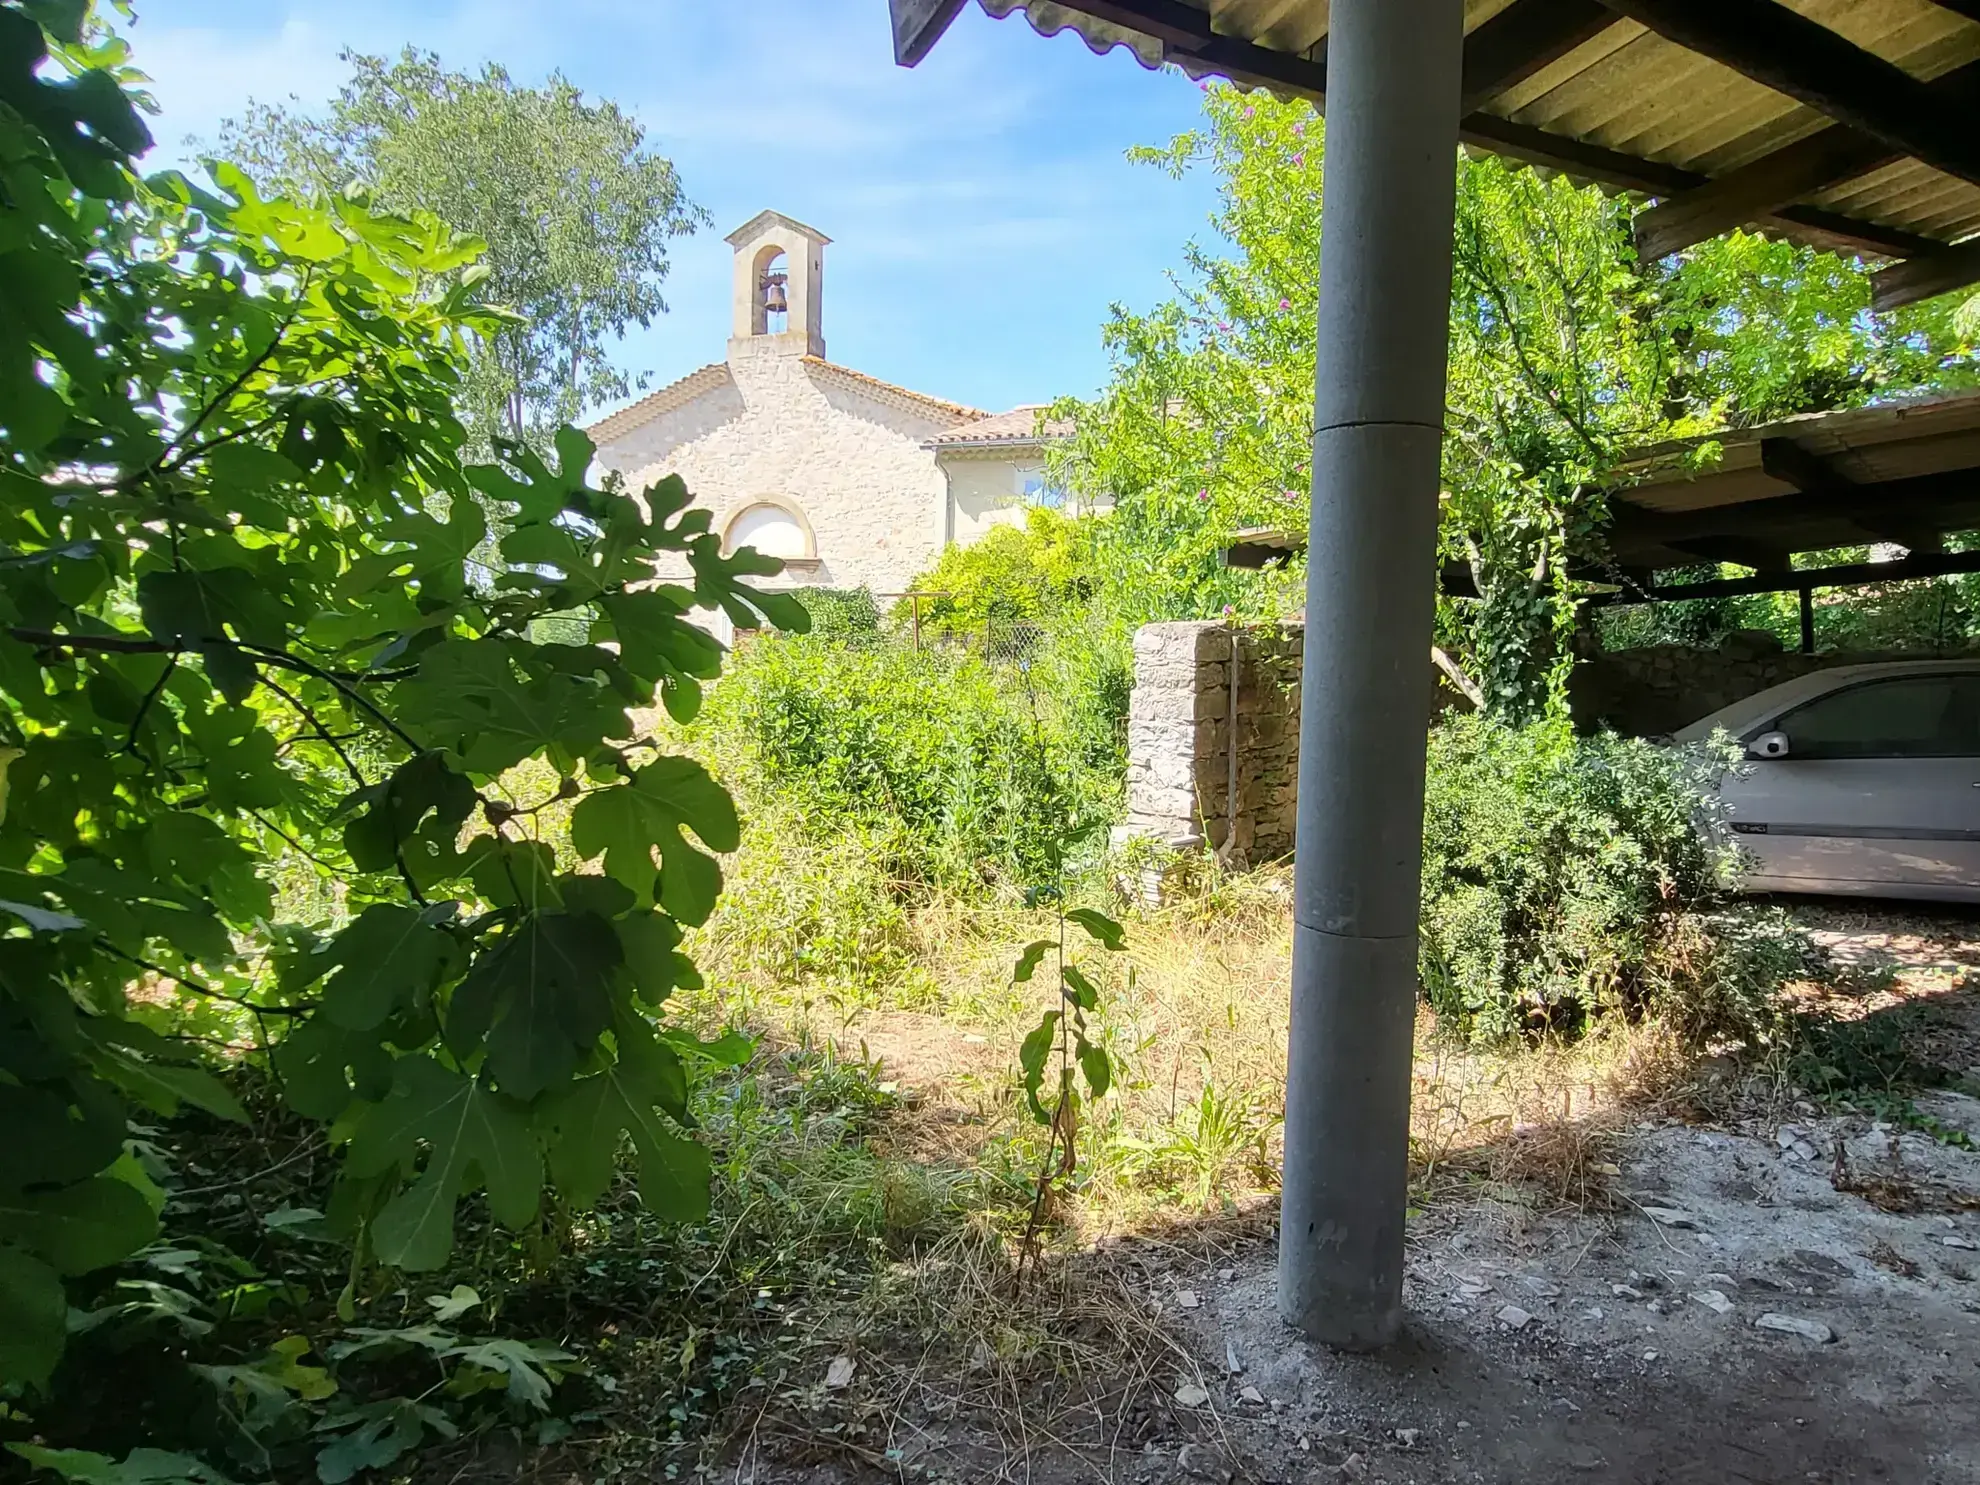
x=920 y=620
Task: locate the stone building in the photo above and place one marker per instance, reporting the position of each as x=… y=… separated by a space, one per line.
x=853 y=481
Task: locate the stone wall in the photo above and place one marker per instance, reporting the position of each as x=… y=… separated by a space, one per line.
x=1179 y=737
x=1658 y=689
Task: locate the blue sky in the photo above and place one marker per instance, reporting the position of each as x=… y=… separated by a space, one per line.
x=982 y=212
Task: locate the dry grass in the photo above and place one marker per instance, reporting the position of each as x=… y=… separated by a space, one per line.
x=1198 y=1036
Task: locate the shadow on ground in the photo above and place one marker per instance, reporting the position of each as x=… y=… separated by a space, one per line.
x=1781 y=1286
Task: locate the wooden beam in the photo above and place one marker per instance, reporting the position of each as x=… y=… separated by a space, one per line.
x=1927 y=275
x=1835 y=154
x=1802 y=467
x=1802 y=169
x=1847 y=575
x=1187 y=38
x=1828 y=229
x=918 y=25
x=1747 y=551
x=1522 y=39
x=1924 y=503
x=1812 y=474
x=1784 y=50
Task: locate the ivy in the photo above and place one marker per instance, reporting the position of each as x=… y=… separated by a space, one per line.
x=242 y=630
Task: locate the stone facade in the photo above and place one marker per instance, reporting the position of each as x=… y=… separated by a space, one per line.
x=834 y=471
x=1180 y=763
x=846 y=461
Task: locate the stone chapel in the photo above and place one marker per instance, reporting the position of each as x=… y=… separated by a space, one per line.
x=852 y=481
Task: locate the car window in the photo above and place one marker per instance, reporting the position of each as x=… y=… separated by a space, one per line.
x=1923 y=716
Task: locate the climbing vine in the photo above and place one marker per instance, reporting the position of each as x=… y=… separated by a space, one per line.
x=241 y=625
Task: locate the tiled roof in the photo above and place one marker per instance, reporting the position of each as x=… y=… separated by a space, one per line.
x=674 y=394
x=709 y=378
x=873 y=386
x=1021 y=425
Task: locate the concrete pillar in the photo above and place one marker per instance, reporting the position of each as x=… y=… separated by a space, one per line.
x=1393 y=69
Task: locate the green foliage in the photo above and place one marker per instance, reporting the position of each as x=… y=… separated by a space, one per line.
x=815 y=905
x=1565 y=354
x=1011 y=575
x=575 y=210
x=1064 y=1028
x=1565 y=877
x=848 y=615
x=942 y=745
x=238 y=616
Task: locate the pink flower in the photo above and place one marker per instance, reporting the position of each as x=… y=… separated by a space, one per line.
x=1285 y=304
x=1300 y=158
x=1223 y=324
x=1249 y=112
x=1202 y=494
x=1300 y=130
x=1229 y=610
x=1292 y=494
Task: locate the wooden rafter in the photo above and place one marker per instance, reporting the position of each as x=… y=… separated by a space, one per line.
x=1937 y=272
x=1525 y=37
x=1784 y=50
x=1794 y=173
x=1499 y=50
x=1907 y=511
x=1802 y=467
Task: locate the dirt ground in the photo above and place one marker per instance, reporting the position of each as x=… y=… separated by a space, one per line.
x=1764 y=1294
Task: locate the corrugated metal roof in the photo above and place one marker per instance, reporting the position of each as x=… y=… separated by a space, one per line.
x=1625 y=107
x=1865 y=445
x=1903 y=471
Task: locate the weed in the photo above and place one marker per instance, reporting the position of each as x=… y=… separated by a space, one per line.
x=1867 y=1066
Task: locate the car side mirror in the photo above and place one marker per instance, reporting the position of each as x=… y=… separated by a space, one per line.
x=1768 y=745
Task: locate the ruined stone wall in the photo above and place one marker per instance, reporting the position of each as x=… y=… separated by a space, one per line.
x=1179 y=737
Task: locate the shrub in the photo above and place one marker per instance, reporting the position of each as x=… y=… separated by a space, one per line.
x=848 y=615
x=812 y=908
x=1011 y=575
x=975 y=770
x=1566 y=876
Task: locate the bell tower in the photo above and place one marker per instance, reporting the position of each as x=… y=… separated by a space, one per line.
x=777 y=306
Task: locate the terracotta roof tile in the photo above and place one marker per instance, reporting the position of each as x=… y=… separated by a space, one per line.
x=873 y=384
x=674 y=394
x=708 y=378
x=1021 y=425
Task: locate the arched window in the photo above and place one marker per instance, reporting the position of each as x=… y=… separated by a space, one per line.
x=776 y=529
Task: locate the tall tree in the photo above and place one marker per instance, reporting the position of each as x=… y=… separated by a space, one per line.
x=577 y=213
x=1565 y=353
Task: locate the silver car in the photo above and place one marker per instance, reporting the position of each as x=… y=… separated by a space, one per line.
x=1862 y=779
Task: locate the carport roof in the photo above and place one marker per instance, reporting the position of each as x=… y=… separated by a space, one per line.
x=1848 y=123
x=1905 y=472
